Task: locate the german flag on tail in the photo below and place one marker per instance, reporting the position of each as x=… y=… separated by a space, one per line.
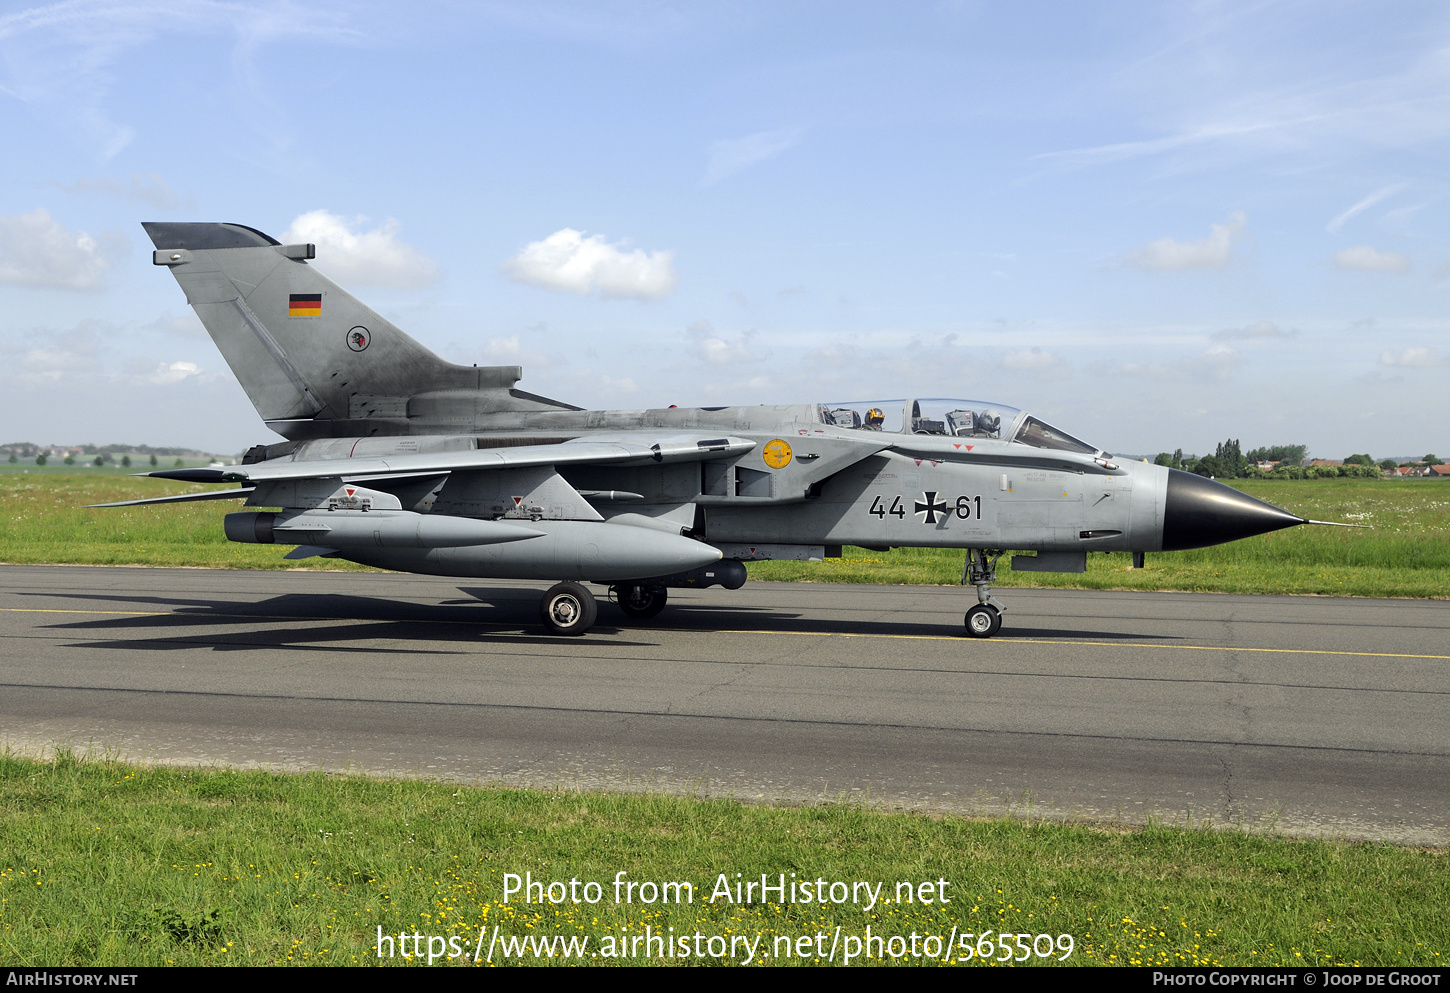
x=304 y=305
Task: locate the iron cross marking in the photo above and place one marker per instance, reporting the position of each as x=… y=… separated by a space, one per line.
x=930 y=506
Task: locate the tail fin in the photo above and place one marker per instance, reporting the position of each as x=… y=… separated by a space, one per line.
x=314 y=360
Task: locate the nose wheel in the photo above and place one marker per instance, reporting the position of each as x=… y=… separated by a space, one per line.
x=568 y=609
x=985 y=619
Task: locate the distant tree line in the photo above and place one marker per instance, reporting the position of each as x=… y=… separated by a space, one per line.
x=1229 y=461
x=29 y=449
x=16 y=452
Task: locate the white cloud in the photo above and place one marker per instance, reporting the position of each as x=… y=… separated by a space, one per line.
x=1333 y=226
x=1219 y=359
x=1030 y=360
x=837 y=355
x=50 y=364
x=37 y=250
x=1368 y=259
x=173 y=372
x=1415 y=357
x=1120 y=151
x=625 y=385
x=1259 y=330
x=143 y=187
x=503 y=348
x=353 y=256
x=721 y=351
x=729 y=157
x=1217 y=362
x=42 y=357
x=568 y=261
x=61 y=58
x=1212 y=252
x=186 y=324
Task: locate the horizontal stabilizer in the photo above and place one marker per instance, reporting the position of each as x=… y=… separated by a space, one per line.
x=183 y=497
x=188 y=475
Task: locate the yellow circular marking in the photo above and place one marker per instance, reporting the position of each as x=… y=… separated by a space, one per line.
x=776 y=454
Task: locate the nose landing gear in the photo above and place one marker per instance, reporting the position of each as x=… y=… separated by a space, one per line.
x=980 y=570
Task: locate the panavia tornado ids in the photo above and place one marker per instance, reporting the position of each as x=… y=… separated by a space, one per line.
x=400 y=460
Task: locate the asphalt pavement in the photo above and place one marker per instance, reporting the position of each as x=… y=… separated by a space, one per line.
x=1308 y=715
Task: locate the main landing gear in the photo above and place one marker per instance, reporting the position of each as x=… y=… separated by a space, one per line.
x=638 y=600
x=985 y=619
x=568 y=609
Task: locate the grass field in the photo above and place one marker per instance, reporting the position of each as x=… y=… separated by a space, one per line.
x=46 y=521
x=106 y=863
x=1406 y=554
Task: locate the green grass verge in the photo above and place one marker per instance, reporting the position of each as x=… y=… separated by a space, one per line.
x=46 y=522
x=106 y=863
x=1406 y=554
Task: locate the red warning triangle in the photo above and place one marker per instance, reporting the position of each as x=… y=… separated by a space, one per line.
x=518 y=500
x=917 y=461
x=350 y=490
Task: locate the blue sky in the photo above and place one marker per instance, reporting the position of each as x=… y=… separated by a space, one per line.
x=1155 y=225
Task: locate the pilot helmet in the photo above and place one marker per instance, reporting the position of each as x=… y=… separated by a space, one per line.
x=874 y=417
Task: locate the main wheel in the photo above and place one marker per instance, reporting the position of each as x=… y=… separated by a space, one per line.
x=639 y=601
x=568 y=609
x=983 y=621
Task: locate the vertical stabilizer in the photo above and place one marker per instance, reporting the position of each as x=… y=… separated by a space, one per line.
x=314 y=360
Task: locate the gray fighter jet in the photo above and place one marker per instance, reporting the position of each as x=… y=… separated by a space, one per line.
x=400 y=460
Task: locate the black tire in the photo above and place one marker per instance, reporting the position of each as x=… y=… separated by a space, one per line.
x=983 y=621
x=568 y=609
x=639 y=601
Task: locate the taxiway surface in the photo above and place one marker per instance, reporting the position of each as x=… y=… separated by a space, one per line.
x=1318 y=716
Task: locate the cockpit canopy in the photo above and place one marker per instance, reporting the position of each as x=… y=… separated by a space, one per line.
x=952 y=418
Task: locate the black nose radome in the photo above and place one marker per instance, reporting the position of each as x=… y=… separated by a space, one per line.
x=1200 y=512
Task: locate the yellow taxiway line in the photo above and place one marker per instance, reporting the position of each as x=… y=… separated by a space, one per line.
x=1097 y=644
x=52 y=610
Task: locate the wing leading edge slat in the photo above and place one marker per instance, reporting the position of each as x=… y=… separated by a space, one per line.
x=620 y=452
